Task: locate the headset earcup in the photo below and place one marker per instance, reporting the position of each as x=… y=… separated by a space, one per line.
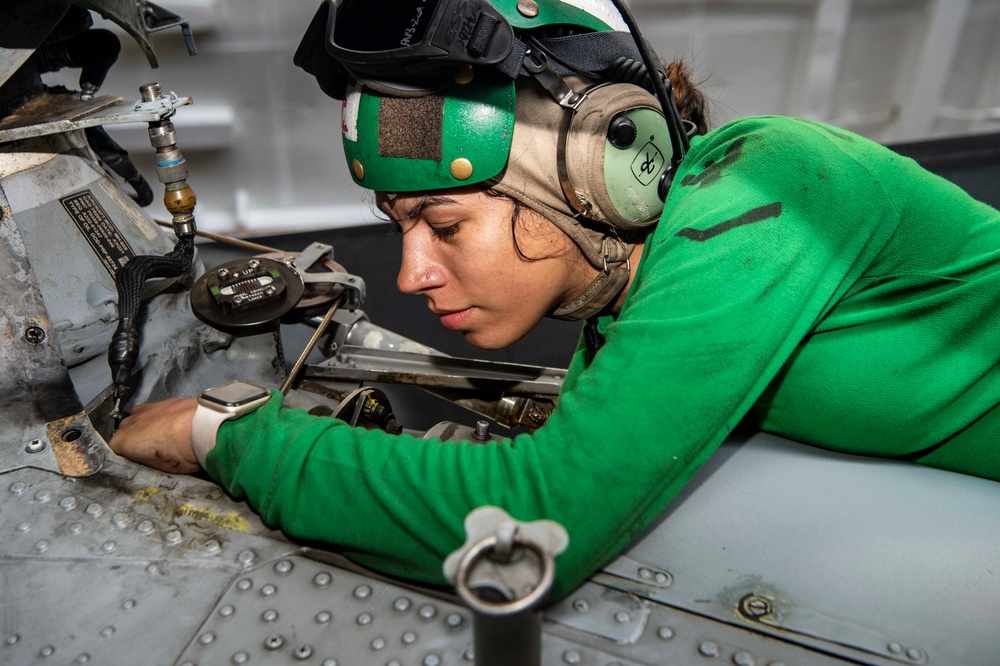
x=617 y=148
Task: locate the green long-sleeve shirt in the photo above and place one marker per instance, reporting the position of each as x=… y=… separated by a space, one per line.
x=840 y=291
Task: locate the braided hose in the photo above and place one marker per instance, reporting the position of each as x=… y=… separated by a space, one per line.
x=129 y=279
x=179 y=199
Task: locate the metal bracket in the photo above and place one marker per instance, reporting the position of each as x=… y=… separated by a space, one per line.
x=538 y=65
x=398 y=367
x=353 y=285
x=140 y=18
x=65 y=112
x=168 y=103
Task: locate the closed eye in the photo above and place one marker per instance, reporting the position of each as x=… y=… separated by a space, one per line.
x=445 y=232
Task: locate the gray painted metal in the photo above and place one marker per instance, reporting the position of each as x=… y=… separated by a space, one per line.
x=180 y=355
x=44 y=425
x=875 y=555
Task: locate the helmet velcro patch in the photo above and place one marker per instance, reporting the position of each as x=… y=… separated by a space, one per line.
x=411 y=127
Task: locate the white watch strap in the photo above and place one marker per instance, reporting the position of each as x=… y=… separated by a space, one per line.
x=204 y=429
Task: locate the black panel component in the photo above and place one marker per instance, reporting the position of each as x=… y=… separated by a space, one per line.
x=246 y=295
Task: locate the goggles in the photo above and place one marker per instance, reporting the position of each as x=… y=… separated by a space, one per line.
x=403 y=47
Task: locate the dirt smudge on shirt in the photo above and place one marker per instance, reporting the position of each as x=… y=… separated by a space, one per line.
x=713 y=170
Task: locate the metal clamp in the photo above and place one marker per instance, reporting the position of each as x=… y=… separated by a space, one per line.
x=354 y=286
x=538 y=66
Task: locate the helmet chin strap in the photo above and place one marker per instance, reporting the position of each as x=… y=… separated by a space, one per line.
x=595 y=298
x=605 y=288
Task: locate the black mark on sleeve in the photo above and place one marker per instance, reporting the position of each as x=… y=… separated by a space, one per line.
x=713 y=170
x=759 y=214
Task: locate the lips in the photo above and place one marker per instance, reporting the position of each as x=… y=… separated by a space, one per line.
x=453 y=320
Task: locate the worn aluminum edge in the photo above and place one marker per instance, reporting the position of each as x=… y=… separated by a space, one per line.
x=362 y=364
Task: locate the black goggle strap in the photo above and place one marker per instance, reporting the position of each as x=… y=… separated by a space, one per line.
x=482 y=35
x=592 y=53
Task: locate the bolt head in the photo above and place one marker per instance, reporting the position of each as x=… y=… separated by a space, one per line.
x=35 y=335
x=754 y=606
x=35 y=446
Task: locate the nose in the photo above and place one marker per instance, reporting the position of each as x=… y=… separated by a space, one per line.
x=420 y=269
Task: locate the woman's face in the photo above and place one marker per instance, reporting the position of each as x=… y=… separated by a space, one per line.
x=459 y=252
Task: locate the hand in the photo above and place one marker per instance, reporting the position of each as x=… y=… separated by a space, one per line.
x=159 y=435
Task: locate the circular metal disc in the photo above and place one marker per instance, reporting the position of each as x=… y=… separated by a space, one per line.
x=246 y=320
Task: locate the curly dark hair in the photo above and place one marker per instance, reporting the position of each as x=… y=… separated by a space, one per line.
x=691 y=102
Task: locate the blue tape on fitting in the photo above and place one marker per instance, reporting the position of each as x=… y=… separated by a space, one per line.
x=171 y=163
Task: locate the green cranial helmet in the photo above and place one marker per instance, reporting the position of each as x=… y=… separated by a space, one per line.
x=458 y=137
x=428 y=85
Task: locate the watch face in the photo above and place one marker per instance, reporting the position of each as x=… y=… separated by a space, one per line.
x=234 y=394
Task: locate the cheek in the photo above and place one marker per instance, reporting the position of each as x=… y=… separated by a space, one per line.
x=489 y=260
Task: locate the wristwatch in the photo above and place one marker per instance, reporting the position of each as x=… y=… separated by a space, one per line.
x=218 y=404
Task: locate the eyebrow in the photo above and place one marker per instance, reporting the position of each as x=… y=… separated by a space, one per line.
x=424 y=203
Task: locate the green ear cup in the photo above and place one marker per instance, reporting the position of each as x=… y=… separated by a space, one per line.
x=632 y=173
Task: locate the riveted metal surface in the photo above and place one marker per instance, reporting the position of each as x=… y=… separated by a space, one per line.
x=667 y=636
x=109 y=608
x=744 y=567
x=604 y=612
x=629 y=569
x=127 y=518
x=296 y=609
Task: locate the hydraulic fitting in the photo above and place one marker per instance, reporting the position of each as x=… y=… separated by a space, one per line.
x=171 y=168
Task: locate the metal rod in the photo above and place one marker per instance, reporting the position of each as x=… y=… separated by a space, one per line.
x=293 y=373
x=219 y=238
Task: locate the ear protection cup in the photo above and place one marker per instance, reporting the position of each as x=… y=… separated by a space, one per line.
x=612 y=154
